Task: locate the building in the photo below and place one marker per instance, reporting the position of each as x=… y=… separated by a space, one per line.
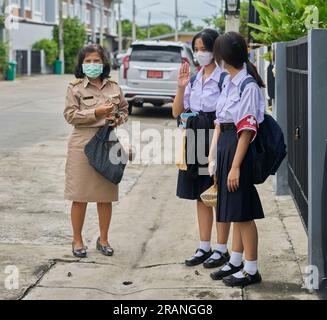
x=37 y=19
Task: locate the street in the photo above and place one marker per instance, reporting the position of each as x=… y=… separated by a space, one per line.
x=152 y=230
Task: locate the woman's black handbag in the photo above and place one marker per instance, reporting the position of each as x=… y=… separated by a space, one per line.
x=106 y=155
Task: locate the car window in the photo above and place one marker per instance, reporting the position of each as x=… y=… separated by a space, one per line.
x=190 y=54
x=156 y=54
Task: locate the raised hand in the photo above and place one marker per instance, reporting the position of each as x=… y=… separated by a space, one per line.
x=184 y=75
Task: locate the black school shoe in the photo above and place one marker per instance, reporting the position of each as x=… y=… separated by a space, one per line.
x=220 y=274
x=194 y=261
x=248 y=279
x=215 y=263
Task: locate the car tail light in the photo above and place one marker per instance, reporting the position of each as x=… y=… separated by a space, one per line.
x=125 y=65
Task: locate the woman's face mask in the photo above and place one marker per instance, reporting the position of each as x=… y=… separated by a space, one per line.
x=92 y=70
x=203 y=57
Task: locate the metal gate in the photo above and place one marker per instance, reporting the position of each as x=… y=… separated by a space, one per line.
x=21 y=59
x=36 y=61
x=297 y=119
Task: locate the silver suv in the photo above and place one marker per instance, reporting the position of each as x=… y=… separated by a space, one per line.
x=149 y=71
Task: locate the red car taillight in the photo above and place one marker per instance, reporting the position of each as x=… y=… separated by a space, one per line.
x=125 y=65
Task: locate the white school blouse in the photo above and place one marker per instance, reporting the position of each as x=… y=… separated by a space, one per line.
x=246 y=112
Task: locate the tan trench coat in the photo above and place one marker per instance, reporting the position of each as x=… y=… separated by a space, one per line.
x=82 y=182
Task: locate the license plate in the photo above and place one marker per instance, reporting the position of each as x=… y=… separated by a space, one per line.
x=155 y=74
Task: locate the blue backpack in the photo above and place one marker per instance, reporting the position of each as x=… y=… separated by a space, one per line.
x=268 y=149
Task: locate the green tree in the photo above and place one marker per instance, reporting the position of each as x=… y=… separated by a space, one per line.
x=160 y=29
x=50 y=48
x=3 y=57
x=127 y=30
x=74 y=40
x=219 y=22
x=285 y=20
x=189 y=26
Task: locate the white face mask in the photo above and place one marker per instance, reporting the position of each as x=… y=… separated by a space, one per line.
x=204 y=58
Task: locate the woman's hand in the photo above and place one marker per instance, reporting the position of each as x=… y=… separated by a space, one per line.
x=115 y=120
x=184 y=75
x=233 y=179
x=104 y=110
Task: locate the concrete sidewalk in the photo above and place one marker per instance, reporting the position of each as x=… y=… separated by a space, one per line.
x=153 y=231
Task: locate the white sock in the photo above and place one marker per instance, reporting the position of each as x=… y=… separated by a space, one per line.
x=251 y=267
x=235 y=260
x=204 y=245
x=221 y=248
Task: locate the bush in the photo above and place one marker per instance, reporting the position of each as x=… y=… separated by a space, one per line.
x=50 y=48
x=3 y=57
x=74 y=41
x=285 y=20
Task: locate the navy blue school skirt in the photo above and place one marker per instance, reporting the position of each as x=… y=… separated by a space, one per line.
x=243 y=204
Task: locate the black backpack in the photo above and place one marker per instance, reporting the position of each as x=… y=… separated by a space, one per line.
x=268 y=149
x=220 y=83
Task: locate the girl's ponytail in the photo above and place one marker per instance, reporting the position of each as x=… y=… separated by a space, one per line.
x=252 y=70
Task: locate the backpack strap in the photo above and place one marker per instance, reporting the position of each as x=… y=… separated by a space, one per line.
x=221 y=80
x=245 y=83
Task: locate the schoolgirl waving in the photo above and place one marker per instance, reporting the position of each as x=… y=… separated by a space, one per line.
x=240 y=110
x=200 y=95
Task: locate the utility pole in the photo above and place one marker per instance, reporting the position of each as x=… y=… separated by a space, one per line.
x=134 y=22
x=120 y=31
x=101 y=22
x=61 y=37
x=149 y=25
x=176 y=20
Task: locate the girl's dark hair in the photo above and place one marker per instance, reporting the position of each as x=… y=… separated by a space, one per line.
x=91 y=48
x=232 y=48
x=208 y=37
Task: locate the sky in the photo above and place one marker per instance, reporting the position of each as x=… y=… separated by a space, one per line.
x=195 y=10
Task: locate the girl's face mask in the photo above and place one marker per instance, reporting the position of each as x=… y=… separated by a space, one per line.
x=204 y=58
x=92 y=70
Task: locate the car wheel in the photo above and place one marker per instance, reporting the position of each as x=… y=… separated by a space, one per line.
x=130 y=108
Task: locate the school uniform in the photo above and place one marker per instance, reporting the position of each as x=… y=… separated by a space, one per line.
x=235 y=113
x=82 y=182
x=201 y=96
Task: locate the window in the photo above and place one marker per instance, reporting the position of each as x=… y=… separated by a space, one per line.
x=71 y=10
x=156 y=54
x=88 y=16
x=98 y=15
x=38 y=6
x=27 y=4
x=77 y=10
x=15 y=3
x=64 y=10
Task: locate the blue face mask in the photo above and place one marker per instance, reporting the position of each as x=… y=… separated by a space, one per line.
x=92 y=70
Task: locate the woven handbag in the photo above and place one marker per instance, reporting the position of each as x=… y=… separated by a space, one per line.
x=209 y=197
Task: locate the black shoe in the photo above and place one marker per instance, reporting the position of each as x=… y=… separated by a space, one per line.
x=248 y=279
x=220 y=274
x=79 y=253
x=215 y=263
x=105 y=250
x=194 y=261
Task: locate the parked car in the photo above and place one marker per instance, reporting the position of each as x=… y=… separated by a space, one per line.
x=117 y=59
x=149 y=71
